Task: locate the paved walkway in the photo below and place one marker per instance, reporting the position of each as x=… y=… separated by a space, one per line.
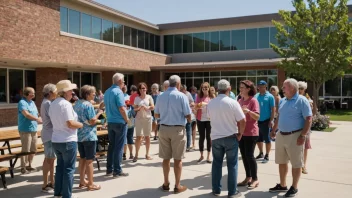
x=329 y=166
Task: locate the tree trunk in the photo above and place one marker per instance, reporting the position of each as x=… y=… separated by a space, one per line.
x=316 y=87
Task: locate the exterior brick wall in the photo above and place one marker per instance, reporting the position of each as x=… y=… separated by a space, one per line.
x=30 y=30
x=8 y=117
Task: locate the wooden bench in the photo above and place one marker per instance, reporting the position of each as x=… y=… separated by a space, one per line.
x=98 y=157
x=3 y=171
x=12 y=146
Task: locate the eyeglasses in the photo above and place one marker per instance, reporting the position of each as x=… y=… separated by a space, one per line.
x=205 y=88
x=301 y=88
x=143 y=88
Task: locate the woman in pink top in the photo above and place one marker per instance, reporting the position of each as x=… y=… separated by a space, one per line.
x=250 y=107
x=203 y=122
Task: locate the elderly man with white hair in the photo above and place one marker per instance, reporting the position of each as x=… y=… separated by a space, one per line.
x=174 y=111
x=225 y=113
x=294 y=122
x=166 y=85
x=117 y=125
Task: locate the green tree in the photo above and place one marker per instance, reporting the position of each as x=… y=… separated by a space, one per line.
x=315 y=41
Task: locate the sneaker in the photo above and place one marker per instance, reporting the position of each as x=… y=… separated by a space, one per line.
x=74 y=196
x=266 y=159
x=47 y=189
x=292 y=192
x=260 y=156
x=278 y=188
x=122 y=174
x=108 y=174
x=124 y=157
x=31 y=169
x=216 y=194
x=304 y=170
x=24 y=171
x=180 y=190
x=238 y=194
x=57 y=196
x=155 y=138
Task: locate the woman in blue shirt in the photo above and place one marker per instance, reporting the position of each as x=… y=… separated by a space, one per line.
x=87 y=136
x=28 y=119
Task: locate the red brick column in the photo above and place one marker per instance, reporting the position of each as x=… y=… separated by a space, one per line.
x=281 y=75
x=106 y=79
x=47 y=75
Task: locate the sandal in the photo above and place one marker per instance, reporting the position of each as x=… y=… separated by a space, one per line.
x=244 y=183
x=180 y=190
x=165 y=188
x=209 y=161
x=147 y=157
x=82 y=186
x=94 y=187
x=304 y=170
x=131 y=156
x=135 y=159
x=200 y=159
x=252 y=186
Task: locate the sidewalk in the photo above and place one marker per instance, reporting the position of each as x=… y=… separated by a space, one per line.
x=329 y=166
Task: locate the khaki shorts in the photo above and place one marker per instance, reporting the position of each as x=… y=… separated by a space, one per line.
x=29 y=141
x=143 y=127
x=286 y=149
x=172 y=142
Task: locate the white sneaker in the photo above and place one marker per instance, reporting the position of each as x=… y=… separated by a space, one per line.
x=74 y=196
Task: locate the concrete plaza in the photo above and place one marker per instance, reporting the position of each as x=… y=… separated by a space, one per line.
x=329 y=166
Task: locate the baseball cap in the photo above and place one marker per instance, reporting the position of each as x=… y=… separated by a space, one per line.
x=262 y=82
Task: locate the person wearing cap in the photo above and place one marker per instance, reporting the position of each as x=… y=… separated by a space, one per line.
x=267 y=115
x=116 y=114
x=173 y=110
x=155 y=94
x=28 y=119
x=50 y=93
x=225 y=113
x=64 y=138
x=87 y=136
x=294 y=122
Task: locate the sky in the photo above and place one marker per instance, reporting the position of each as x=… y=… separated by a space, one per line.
x=169 y=11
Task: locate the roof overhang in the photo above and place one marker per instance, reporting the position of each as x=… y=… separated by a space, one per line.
x=222 y=64
x=118 y=13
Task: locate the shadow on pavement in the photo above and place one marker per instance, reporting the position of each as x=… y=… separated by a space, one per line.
x=146 y=192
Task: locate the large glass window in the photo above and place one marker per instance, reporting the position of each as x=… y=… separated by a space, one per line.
x=3 y=83
x=29 y=78
x=86 y=25
x=96 y=81
x=96 y=28
x=207 y=42
x=273 y=32
x=141 y=39
x=15 y=85
x=225 y=40
x=169 y=44
x=63 y=19
x=238 y=40
x=347 y=85
x=74 y=22
x=134 y=37
x=252 y=38
x=187 y=43
x=152 y=42
x=86 y=79
x=178 y=43
x=147 y=41
x=77 y=78
x=263 y=37
x=127 y=36
x=157 y=43
x=333 y=87
x=198 y=42
x=108 y=31
x=214 y=37
x=118 y=33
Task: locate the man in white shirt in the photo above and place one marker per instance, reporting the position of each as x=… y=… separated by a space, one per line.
x=224 y=114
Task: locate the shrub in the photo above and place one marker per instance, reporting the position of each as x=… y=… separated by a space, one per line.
x=320 y=122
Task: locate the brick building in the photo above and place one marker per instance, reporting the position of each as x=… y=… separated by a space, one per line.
x=44 y=41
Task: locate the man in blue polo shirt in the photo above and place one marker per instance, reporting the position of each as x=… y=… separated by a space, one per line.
x=294 y=122
x=117 y=125
x=267 y=112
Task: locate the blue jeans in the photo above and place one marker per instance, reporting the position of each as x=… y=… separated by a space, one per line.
x=117 y=137
x=189 y=134
x=66 y=160
x=228 y=145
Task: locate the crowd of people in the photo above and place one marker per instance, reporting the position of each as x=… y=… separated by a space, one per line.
x=228 y=124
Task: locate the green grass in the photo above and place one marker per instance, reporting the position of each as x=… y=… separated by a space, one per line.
x=340 y=115
x=331 y=129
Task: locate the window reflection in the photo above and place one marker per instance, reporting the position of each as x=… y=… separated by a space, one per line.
x=74 y=22
x=96 y=28
x=86 y=25
x=15 y=85
x=63 y=19
x=225 y=40
x=187 y=43
x=198 y=42
x=3 y=83
x=178 y=43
